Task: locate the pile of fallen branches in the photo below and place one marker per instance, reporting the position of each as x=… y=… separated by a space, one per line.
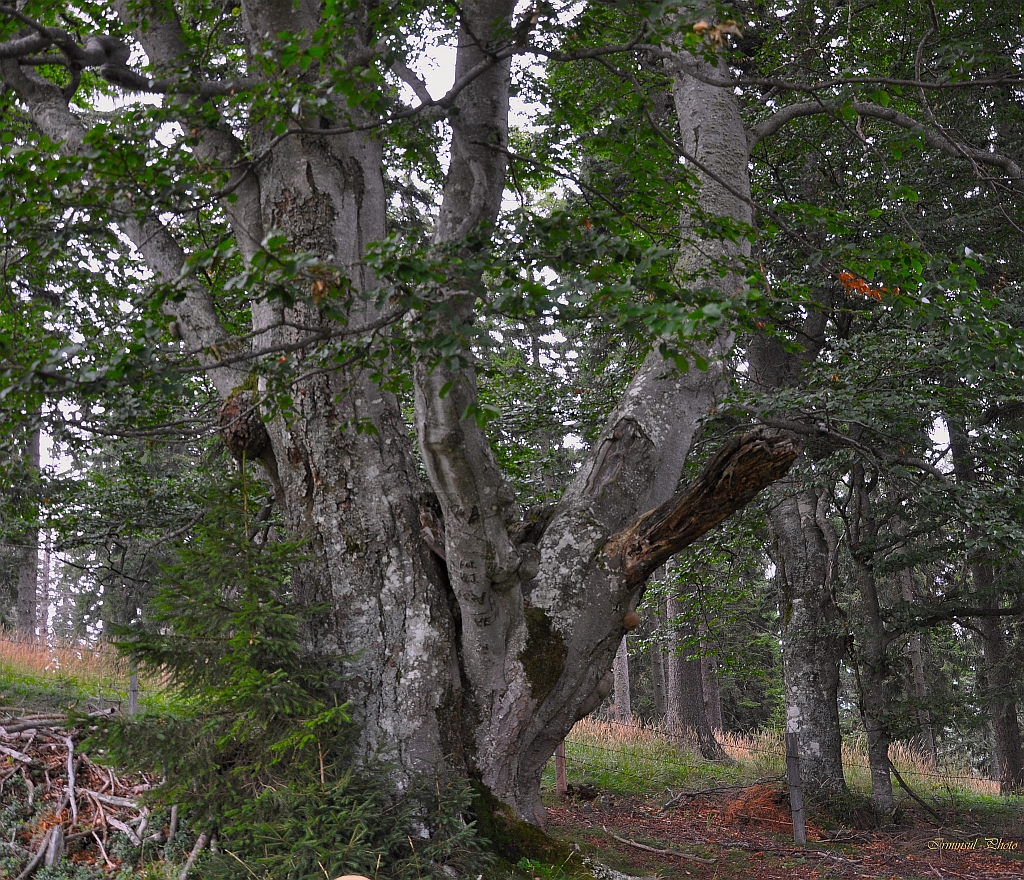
x=72 y=806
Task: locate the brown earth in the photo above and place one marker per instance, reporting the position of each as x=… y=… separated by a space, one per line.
x=747 y=833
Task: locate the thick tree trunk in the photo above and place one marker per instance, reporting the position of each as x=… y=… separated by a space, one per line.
x=812 y=639
x=471 y=640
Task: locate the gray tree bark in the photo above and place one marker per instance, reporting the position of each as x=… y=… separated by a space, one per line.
x=620 y=673
x=804 y=553
x=873 y=665
x=812 y=639
x=467 y=644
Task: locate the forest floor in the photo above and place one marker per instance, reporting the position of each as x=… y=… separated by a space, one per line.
x=727 y=833
x=725 y=821
x=746 y=832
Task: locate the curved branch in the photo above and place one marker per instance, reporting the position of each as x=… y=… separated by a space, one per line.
x=942 y=142
x=838 y=439
x=164 y=43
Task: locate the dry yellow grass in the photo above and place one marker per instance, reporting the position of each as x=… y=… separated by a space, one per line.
x=98 y=668
x=653 y=755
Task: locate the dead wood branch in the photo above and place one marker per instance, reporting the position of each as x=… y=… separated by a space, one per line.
x=13 y=753
x=662 y=852
x=204 y=838
x=37 y=859
x=71 y=779
x=735 y=474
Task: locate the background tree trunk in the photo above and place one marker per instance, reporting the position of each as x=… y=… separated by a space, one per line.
x=658 y=679
x=623 y=709
x=873 y=665
x=926 y=734
x=812 y=640
x=999 y=677
x=686 y=707
x=712 y=692
x=28 y=551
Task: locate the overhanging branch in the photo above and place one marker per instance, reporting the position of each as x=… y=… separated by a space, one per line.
x=738 y=471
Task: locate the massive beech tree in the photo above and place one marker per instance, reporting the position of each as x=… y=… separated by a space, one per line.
x=278 y=145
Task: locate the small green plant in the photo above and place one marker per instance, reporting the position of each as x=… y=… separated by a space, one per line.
x=258 y=750
x=540 y=871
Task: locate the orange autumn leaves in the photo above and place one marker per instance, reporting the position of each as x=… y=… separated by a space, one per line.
x=852 y=283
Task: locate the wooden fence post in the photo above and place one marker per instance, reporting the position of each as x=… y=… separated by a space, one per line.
x=561 y=788
x=796 y=791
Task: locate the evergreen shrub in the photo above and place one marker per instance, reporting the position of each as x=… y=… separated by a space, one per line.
x=258 y=747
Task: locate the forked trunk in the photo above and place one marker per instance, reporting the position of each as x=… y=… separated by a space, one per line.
x=473 y=641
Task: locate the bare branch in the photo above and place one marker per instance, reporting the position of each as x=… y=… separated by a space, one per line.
x=933 y=138
x=837 y=438
x=414 y=82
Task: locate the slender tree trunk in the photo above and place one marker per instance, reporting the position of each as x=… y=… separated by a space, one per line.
x=999 y=675
x=812 y=639
x=28 y=556
x=44 y=591
x=926 y=730
x=873 y=667
x=658 y=675
x=712 y=692
x=1002 y=706
x=620 y=671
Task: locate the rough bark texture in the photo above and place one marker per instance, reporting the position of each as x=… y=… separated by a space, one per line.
x=466 y=648
x=804 y=553
x=812 y=640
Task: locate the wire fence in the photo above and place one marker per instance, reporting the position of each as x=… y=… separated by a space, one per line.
x=656 y=756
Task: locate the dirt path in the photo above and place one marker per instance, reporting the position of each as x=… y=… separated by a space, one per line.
x=747 y=834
